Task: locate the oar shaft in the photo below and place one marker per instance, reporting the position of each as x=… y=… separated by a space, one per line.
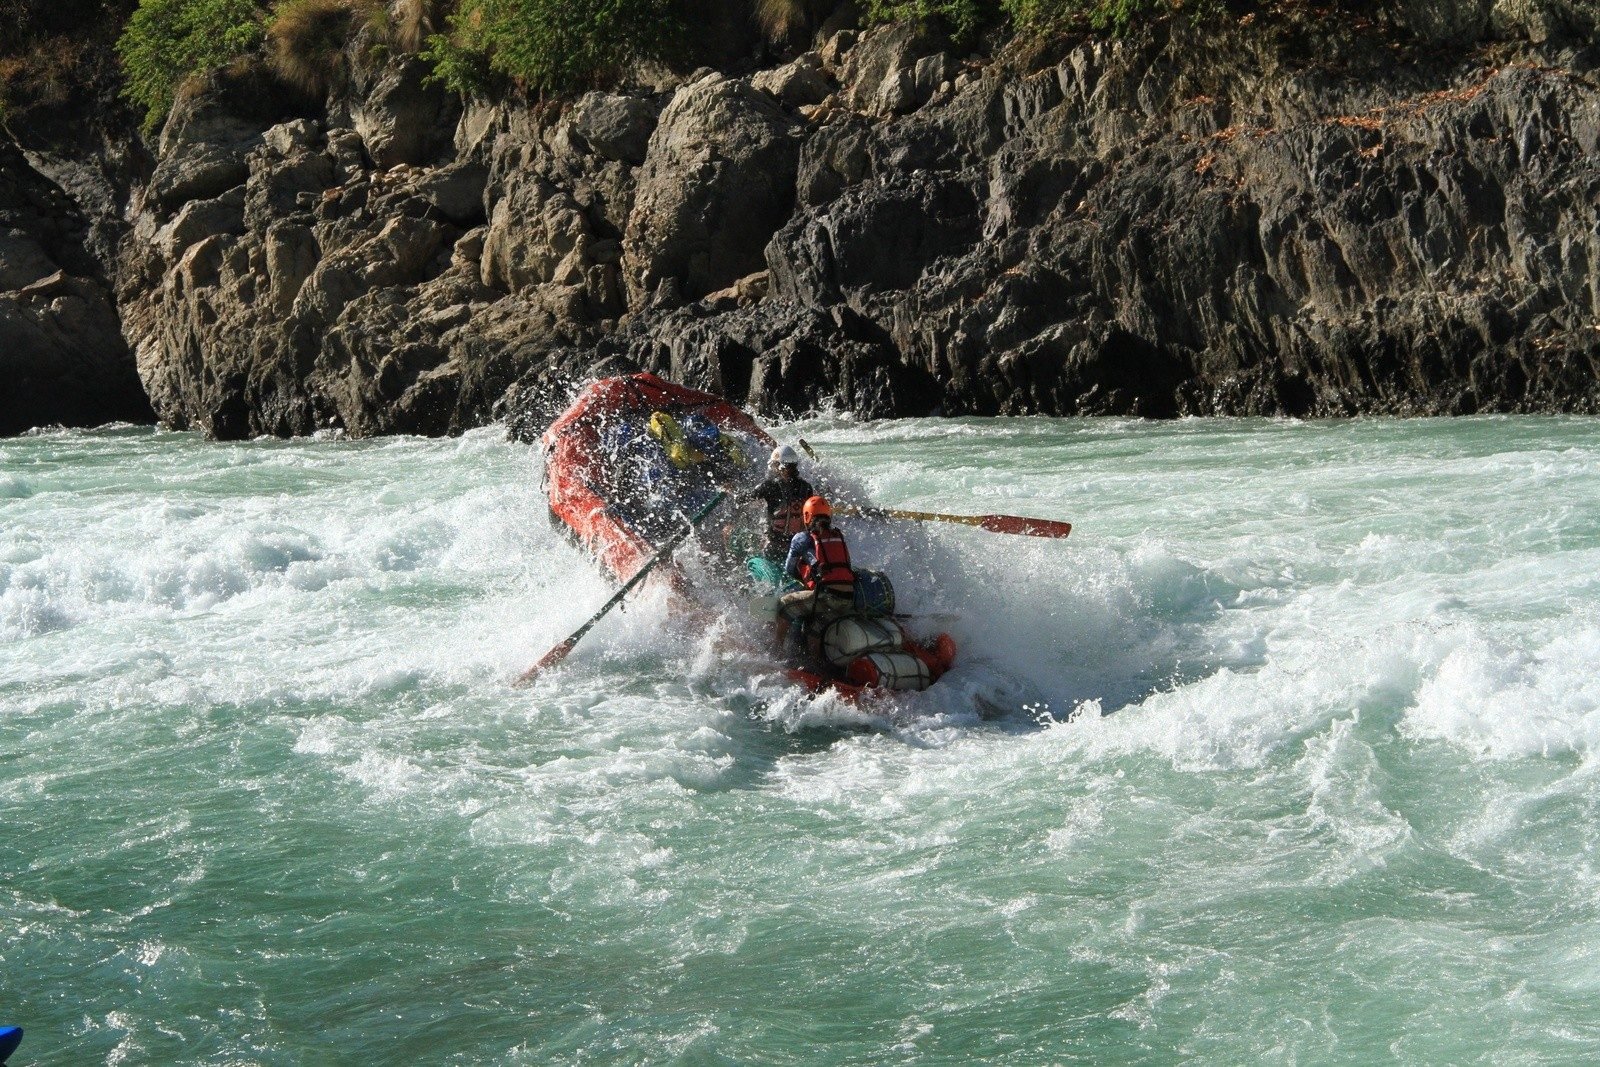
x=1006 y=524
x=932 y=516
x=561 y=651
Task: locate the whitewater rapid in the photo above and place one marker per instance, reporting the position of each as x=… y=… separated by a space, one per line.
x=1287 y=753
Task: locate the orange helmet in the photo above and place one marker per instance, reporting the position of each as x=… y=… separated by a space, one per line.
x=813 y=507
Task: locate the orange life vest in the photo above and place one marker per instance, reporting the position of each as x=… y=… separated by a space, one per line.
x=832 y=569
x=786 y=520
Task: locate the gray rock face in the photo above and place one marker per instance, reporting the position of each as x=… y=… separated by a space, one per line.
x=62 y=356
x=796 y=84
x=1098 y=237
x=318 y=293
x=1444 y=21
x=893 y=69
x=22 y=260
x=403 y=118
x=1163 y=224
x=1546 y=20
x=198 y=173
x=199 y=219
x=616 y=127
x=717 y=183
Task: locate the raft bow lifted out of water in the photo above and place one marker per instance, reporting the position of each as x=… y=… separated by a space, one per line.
x=612 y=486
x=635 y=457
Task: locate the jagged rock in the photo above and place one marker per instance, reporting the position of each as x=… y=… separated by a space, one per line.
x=881 y=72
x=291 y=255
x=200 y=172
x=199 y=219
x=834 y=49
x=275 y=185
x=22 y=260
x=616 y=127
x=62 y=356
x=747 y=290
x=537 y=236
x=717 y=183
x=206 y=119
x=797 y=83
x=293 y=137
x=348 y=153
x=480 y=121
x=63 y=359
x=468 y=250
x=1163 y=223
x=836 y=157
x=456 y=191
x=205 y=143
x=1546 y=20
x=405 y=118
x=1441 y=21
x=873 y=241
x=777 y=357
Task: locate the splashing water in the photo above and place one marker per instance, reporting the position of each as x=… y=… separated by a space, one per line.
x=1287 y=753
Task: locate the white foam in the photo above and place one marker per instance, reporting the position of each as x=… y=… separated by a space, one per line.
x=1500 y=701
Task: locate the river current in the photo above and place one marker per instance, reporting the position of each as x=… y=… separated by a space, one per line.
x=1287 y=754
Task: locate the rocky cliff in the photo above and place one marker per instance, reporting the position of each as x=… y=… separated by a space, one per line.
x=1296 y=215
x=63 y=359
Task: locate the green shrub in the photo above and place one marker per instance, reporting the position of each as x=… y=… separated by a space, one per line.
x=961 y=19
x=166 y=41
x=551 y=44
x=1040 y=17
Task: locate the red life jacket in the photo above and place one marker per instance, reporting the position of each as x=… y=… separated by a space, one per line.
x=832 y=568
x=787 y=520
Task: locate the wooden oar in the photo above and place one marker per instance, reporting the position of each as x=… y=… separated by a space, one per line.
x=1006 y=524
x=561 y=651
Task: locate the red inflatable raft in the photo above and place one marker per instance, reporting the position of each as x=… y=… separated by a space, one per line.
x=634 y=457
x=614 y=486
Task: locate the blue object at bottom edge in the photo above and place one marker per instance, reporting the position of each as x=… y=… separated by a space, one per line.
x=10 y=1038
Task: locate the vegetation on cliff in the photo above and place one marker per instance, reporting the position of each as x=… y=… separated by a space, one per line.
x=52 y=49
x=307 y=39
x=541 y=45
x=552 y=44
x=166 y=41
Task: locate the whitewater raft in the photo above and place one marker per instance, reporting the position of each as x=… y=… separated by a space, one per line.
x=634 y=458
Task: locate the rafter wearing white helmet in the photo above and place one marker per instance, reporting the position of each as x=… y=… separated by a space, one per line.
x=784 y=493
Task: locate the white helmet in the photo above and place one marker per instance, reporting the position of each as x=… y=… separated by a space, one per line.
x=784 y=456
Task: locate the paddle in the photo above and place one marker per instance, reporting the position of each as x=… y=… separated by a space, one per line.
x=1006 y=524
x=561 y=651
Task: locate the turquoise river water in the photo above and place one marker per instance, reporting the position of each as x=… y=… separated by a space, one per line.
x=1288 y=754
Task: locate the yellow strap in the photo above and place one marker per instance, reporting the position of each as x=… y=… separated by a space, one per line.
x=665 y=428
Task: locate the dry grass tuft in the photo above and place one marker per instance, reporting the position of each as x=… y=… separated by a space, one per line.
x=307 y=40
x=44 y=76
x=412 y=22
x=781 y=19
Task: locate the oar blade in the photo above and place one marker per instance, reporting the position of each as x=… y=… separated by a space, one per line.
x=549 y=659
x=1017 y=524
